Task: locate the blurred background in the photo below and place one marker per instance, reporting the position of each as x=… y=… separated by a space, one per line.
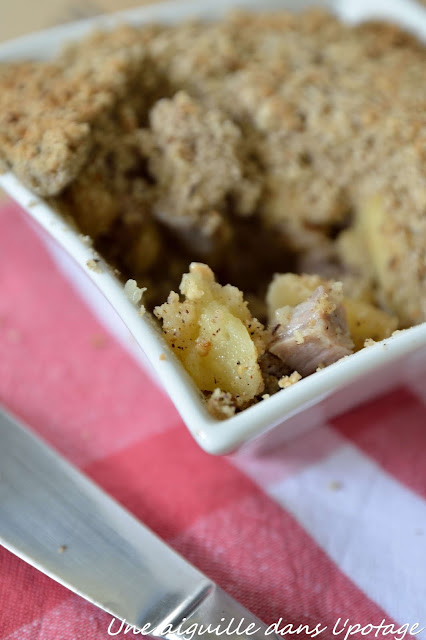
x=21 y=16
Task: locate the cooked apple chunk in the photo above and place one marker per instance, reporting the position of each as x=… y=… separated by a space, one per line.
x=214 y=335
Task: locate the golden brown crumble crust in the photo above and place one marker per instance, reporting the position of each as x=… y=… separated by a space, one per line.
x=327 y=114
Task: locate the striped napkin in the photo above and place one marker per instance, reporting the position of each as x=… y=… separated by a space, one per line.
x=326 y=535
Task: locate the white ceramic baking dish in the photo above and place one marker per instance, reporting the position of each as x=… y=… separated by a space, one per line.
x=291 y=411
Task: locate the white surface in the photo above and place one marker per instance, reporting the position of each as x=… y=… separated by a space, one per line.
x=330 y=387
x=372 y=527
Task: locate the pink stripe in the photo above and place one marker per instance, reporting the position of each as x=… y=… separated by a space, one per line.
x=59 y=370
x=273 y=566
x=392 y=431
x=165 y=480
x=228 y=527
x=73 y=619
x=168 y=482
x=277 y=464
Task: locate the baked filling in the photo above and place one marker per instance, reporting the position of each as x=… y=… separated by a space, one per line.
x=286 y=151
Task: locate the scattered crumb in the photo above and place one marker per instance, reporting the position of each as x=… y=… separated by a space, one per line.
x=87 y=240
x=288 y=381
x=99 y=340
x=163 y=356
x=203 y=347
x=32 y=203
x=221 y=405
x=94 y=265
x=369 y=342
x=335 y=485
x=62 y=548
x=13 y=335
x=133 y=292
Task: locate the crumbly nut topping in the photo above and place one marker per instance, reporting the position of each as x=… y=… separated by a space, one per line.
x=284 y=143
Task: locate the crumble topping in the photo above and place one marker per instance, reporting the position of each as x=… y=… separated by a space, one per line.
x=287 y=151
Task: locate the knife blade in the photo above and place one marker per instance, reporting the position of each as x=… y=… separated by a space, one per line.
x=60 y=522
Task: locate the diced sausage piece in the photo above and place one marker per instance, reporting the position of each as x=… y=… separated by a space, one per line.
x=313 y=334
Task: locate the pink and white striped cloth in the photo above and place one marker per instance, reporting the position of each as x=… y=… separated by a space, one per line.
x=330 y=526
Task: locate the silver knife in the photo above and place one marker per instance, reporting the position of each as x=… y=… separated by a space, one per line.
x=61 y=523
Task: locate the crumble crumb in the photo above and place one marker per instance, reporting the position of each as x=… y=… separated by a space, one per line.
x=369 y=342
x=133 y=292
x=93 y=265
x=221 y=405
x=288 y=381
x=99 y=340
x=87 y=240
x=13 y=335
